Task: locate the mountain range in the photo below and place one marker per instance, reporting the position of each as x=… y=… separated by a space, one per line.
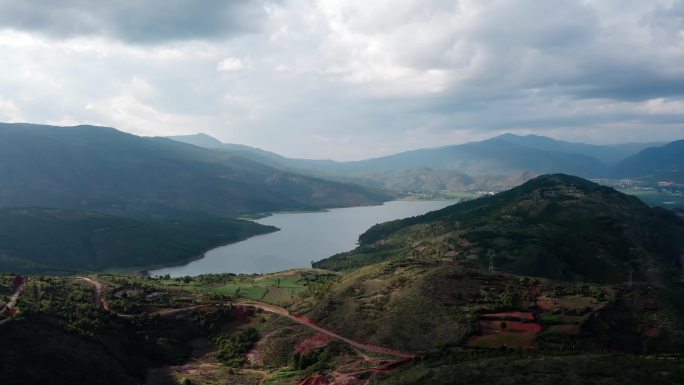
x=68 y=193
x=105 y=170
x=497 y=163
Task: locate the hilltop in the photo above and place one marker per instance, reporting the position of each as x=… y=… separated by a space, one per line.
x=554 y=226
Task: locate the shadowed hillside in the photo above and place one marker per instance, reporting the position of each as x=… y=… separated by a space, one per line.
x=102 y=169
x=58 y=241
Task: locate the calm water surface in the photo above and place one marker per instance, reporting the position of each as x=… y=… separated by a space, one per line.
x=304 y=237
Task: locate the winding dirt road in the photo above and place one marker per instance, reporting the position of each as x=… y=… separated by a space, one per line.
x=98 y=299
x=13 y=300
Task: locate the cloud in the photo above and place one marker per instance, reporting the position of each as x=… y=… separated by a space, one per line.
x=148 y=22
x=230 y=64
x=349 y=79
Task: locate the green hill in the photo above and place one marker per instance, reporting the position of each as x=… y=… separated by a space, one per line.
x=655 y=163
x=62 y=241
x=102 y=169
x=554 y=226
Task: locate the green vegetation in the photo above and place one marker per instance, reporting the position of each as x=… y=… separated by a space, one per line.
x=53 y=240
x=232 y=349
x=5 y=286
x=439 y=307
x=556 y=226
x=415 y=285
x=282 y=289
x=61 y=337
x=69 y=301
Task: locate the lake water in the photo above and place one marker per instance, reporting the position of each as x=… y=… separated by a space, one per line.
x=303 y=238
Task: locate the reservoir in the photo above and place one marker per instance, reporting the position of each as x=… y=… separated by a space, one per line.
x=303 y=238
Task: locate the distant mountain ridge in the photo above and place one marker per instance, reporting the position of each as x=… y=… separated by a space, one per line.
x=489 y=157
x=609 y=154
x=255 y=154
x=659 y=163
x=102 y=169
x=476 y=165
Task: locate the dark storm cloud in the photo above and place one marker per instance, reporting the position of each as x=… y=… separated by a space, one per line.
x=148 y=21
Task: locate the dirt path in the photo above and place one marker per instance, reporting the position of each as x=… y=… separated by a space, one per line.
x=166 y=312
x=264 y=375
x=13 y=300
x=265 y=307
x=308 y=323
x=98 y=297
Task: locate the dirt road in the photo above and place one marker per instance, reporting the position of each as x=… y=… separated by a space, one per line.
x=268 y=308
x=13 y=300
x=98 y=297
x=303 y=321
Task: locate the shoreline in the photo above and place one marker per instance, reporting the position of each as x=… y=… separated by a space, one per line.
x=144 y=271
x=148 y=271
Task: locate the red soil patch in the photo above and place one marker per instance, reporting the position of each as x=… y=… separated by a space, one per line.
x=521 y=315
x=314 y=380
x=513 y=334
x=304 y=318
x=313 y=343
x=494 y=326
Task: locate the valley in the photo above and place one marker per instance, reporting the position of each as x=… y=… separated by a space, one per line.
x=80 y=196
x=416 y=300
x=340 y=192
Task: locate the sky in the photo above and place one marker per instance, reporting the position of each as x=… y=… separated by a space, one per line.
x=348 y=79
